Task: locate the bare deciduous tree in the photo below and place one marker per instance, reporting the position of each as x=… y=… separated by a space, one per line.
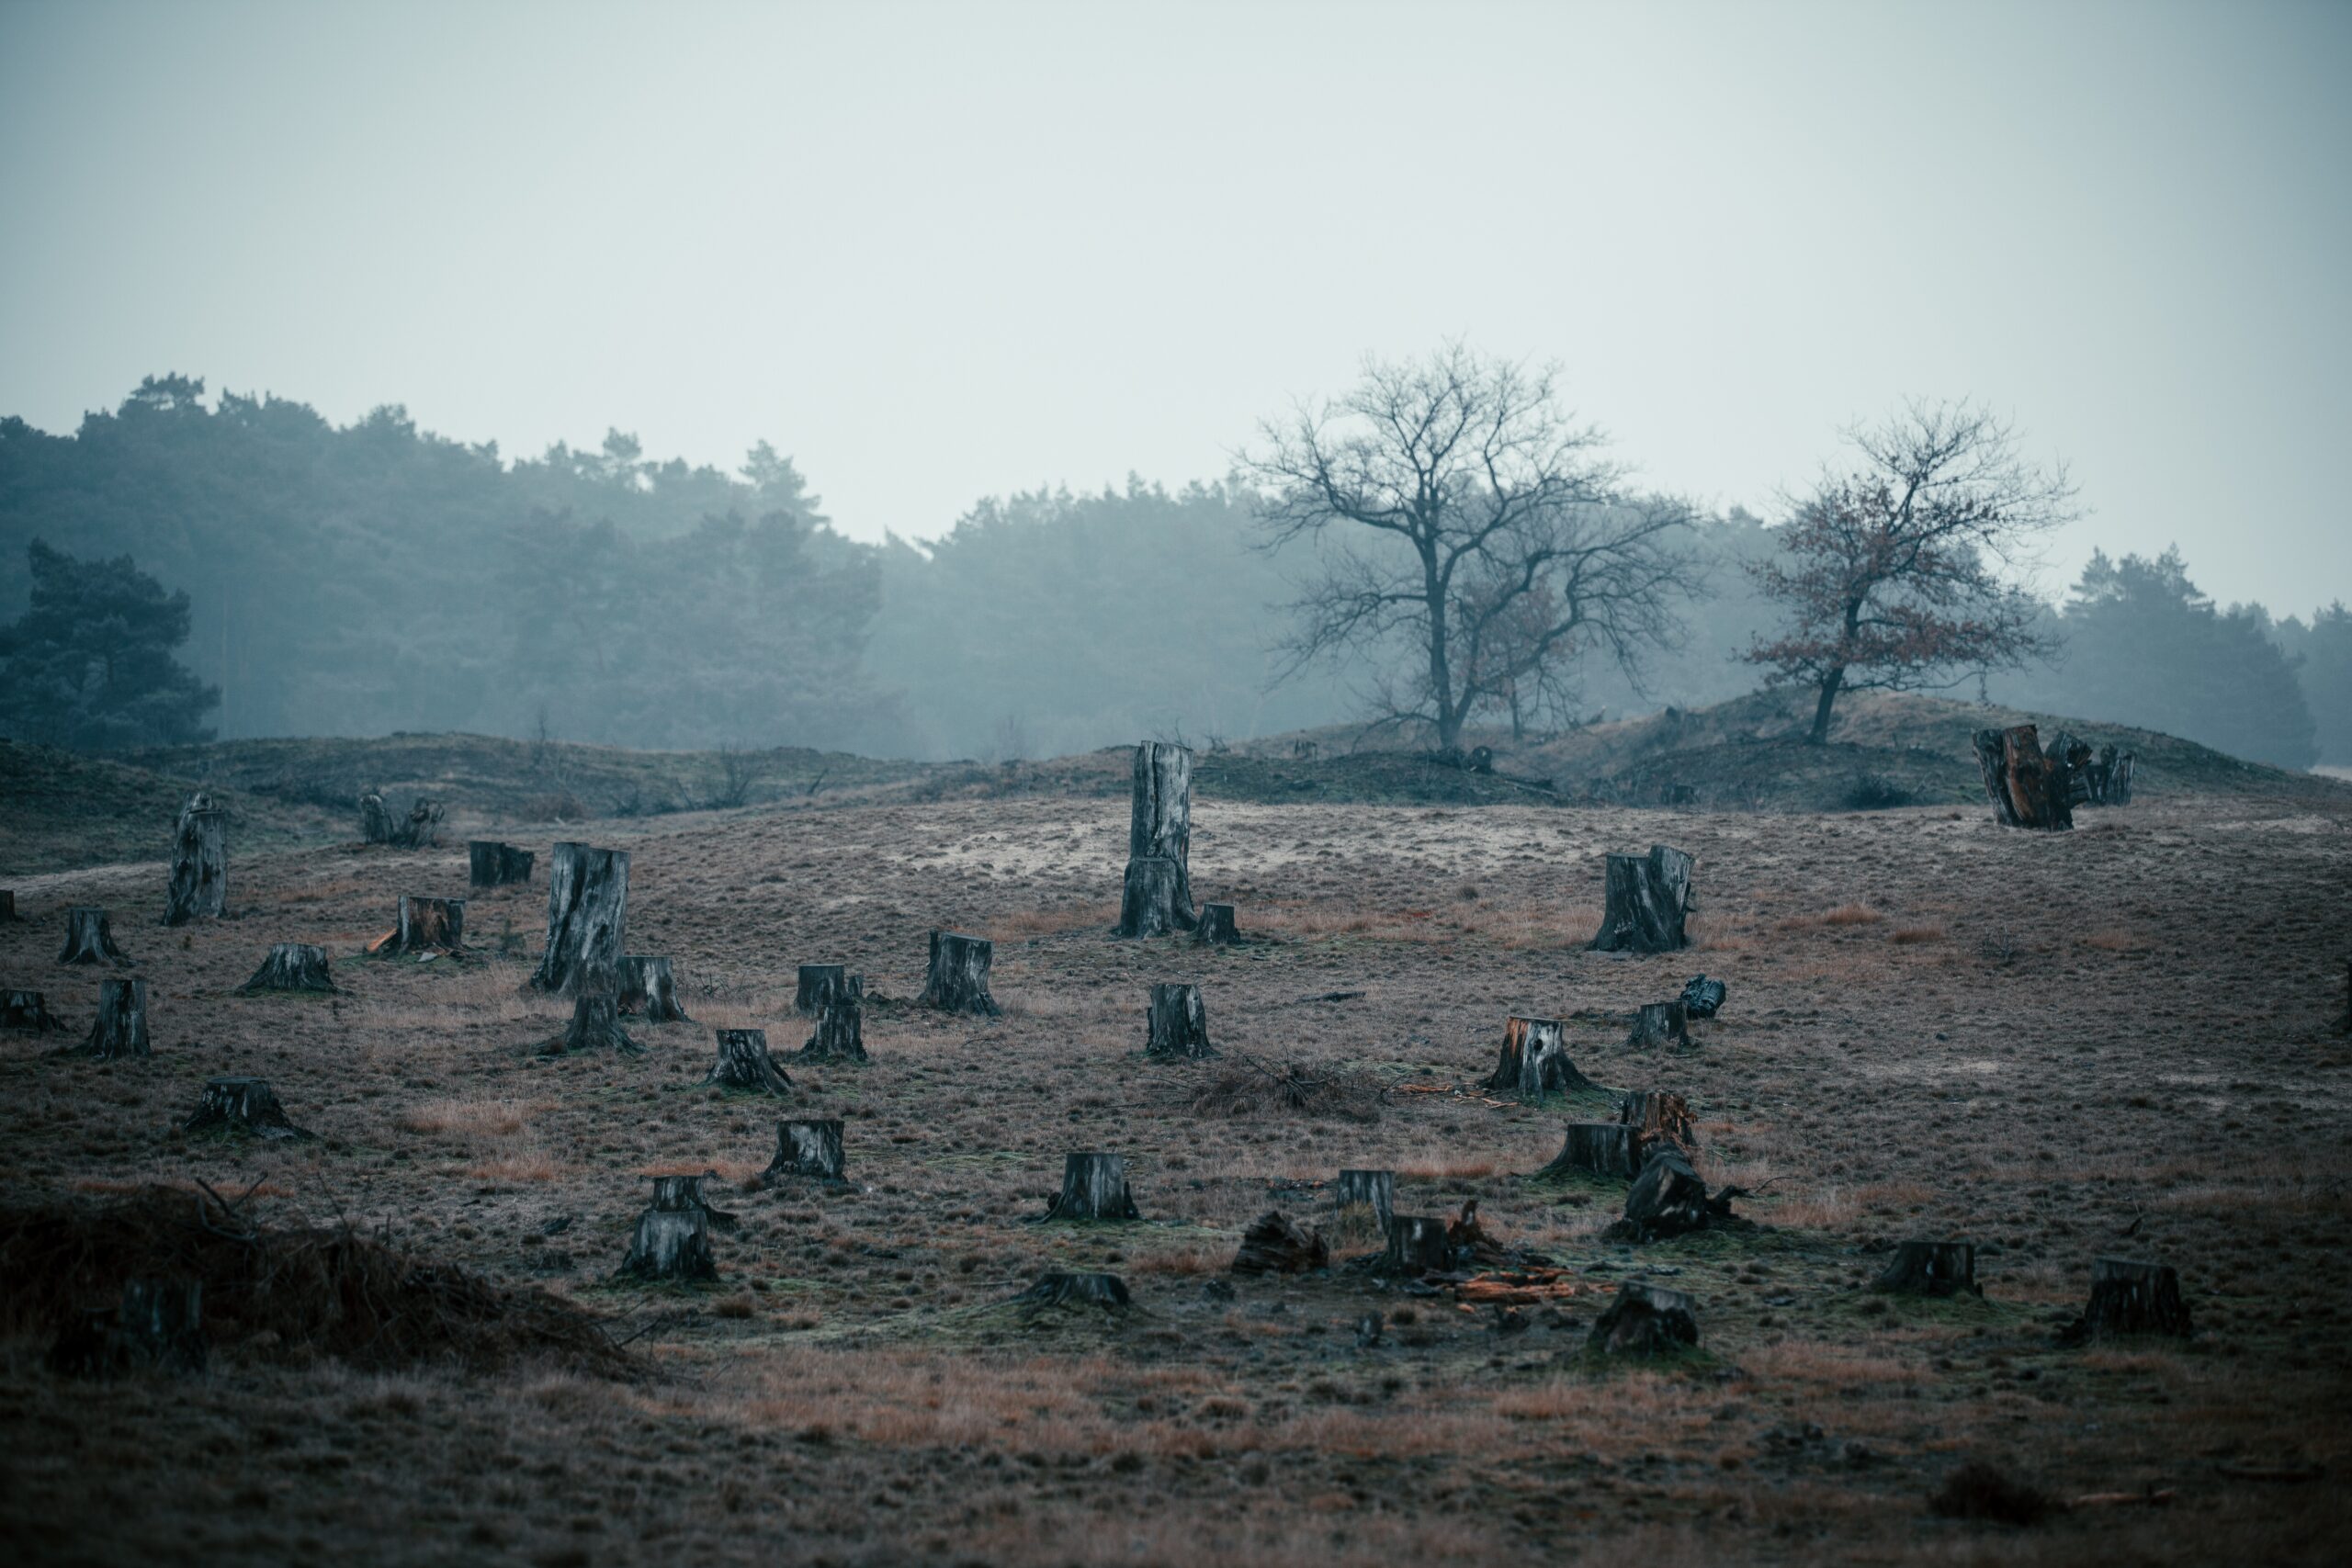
x=1488 y=536
x=1890 y=568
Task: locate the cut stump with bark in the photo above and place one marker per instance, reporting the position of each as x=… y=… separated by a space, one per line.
x=159 y=1325
x=1669 y=1199
x=89 y=938
x=1534 y=1060
x=1157 y=893
x=26 y=1012
x=292 y=966
x=587 y=919
x=1105 y=1290
x=1176 y=1023
x=807 y=1148
x=1216 y=927
x=199 y=883
x=744 y=1063
x=1930 y=1268
x=2131 y=1297
x=420 y=829
x=958 y=978
x=595 y=1026
x=493 y=864
x=673 y=1236
x=375 y=821
x=1658 y=1116
x=1417 y=1245
x=1645 y=1320
x=120 y=1028
x=1366 y=1200
x=1595 y=1149
x=647 y=986
x=1646 y=901
x=841 y=1024
x=1094 y=1187
x=7 y=905
x=817 y=981
x=1658 y=1026
x=2027 y=787
x=1273 y=1244
x=243 y=1107
x=426 y=925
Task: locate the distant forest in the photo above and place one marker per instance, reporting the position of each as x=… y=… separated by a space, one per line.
x=373 y=578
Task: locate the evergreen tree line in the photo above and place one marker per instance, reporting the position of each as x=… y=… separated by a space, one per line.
x=248 y=567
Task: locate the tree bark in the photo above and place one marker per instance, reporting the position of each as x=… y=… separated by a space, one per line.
x=587 y=919
x=2129 y=1297
x=1094 y=1187
x=1362 y=1193
x=744 y=1063
x=1594 y=1148
x=243 y=1107
x=1273 y=1245
x=2026 y=788
x=1668 y=1200
x=596 y=1025
x=647 y=986
x=807 y=1148
x=1534 y=1060
x=26 y=1012
x=375 y=821
x=160 y=1325
x=426 y=925
x=1154 y=890
x=1818 y=734
x=1930 y=1268
x=817 y=982
x=494 y=864
x=672 y=1237
x=958 y=979
x=120 y=1028
x=1703 y=997
x=1216 y=927
x=1159 y=891
x=292 y=966
x=1106 y=1291
x=199 y=885
x=7 y=905
x=1417 y=1245
x=1657 y=1026
x=1176 y=1023
x=89 y=939
x=1658 y=1117
x=841 y=1023
x=1647 y=899
x=421 y=829
x=1645 y=1320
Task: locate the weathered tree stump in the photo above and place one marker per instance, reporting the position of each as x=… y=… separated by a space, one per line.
x=817 y=981
x=292 y=966
x=2072 y=757
x=1646 y=900
x=1366 y=1196
x=1105 y=1290
x=120 y=1028
x=1534 y=1060
x=1176 y=1023
x=1658 y=1116
x=672 y=1237
x=7 y=905
x=1930 y=1268
x=1595 y=1149
x=587 y=919
x=841 y=1024
x=596 y=1025
x=1216 y=927
x=2131 y=1297
x=2028 y=788
x=645 y=984
x=1094 y=1187
x=493 y=864
x=744 y=1063
x=375 y=821
x=957 y=978
x=1657 y=1026
x=1669 y=1199
x=26 y=1012
x=1417 y=1245
x=2119 y=780
x=160 y=1325
x=89 y=938
x=807 y=1148
x=1273 y=1245
x=1703 y=997
x=426 y=925
x=1645 y=1320
x=199 y=885
x=1158 y=895
x=420 y=829
x=242 y=1107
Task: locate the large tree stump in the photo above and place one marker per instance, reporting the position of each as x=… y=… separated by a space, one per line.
x=1417 y=1245
x=493 y=864
x=1646 y=900
x=1658 y=1025
x=1534 y=1060
x=292 y=966
x=646 y=985
x=1105 y=1290
x=957 y=978
x=1366 y=1201
x=1176 y=1023
x=841 y=1023
x=817 y=981
x=1930 y=1268
x=1669 y=1199
x=159 y=1325
x=1645 y=1320
x=420 y=829
x=2028 y=788
x=1157 y=895
x=243 y=1107
x=375 y=821
x=2131 y=1297
x=426 y=925
x=744 y=1063
x=807 y=1148
x=1703 y=997
x=672 y=1237
x=596 y=1025
x=2072 y=757
x=199 y=885
x=1595 y=1149
x=1273 y=1245
x=26 y=1012
x=120 y=1028
x=587 y=919
x=1216 y=927
x=1094 y=1187
x=89 y=938
x=1658 y=1116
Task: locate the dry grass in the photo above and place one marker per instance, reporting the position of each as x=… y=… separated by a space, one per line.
x=1912 y=936
x=1022 y=925
x=2114 y=940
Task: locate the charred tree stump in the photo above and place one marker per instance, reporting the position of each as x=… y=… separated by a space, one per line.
x=807 y=1148
x=1105 y=1290
x=957 y=978
x=375 y=821
x=292 y=966
x=841 y=1024
x=2129 y=1297
x=1658 y=1117
x=1176 y=1023
x=160 y=1325
x=1273 y=1245
x=26 y=1012
x=1930 y=1268
x=1669 y=1199
x=120 y=1028
x=1645 y=1320
x=1366 y=1196
x=493 y=864
x=426 y=925
x=1216 y=927
x=647 y=986
x=1657 y=1026
x=1417 y=1245
x=89 y=938
x=1157 y=896
x=744 y=1063
x=596 y=1025
x=1646 y=900
x=1534 y=1060
x=240 y=1107
x=817 y=981
x=1703 y=997
x=672 y=1237
x=587 y=919
x=2027 y=787
x=1094 y=1187
x=199 y=885
x=1595 y=1149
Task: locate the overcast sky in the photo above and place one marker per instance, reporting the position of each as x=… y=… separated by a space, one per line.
x=941 y=251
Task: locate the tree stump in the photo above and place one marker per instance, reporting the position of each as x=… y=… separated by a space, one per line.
x=7 y=905
x=26 y=1012
x=596 y=1025
x=242 y=1107
x=1216 y=927
x=1094 y=1187
x=2072 y=758
x=1534 y=1060
x=957 y=978
x=1657 y=1026
x=89 y=938
x=1158 y=898
x=1366 y=1195
x=817 y=981
x=2119 y=779
x=2028 y=788
x=375 y=822
x=1668 y=1200
x=1176 y=1023
x=1417 y=1245
x=1658 y=1116
x=1930 y=1268
x=493 y=864
x=1105 y=1290
x=744 y=1063
x=120 y=1028
x=160 y=1325
x=420 y=829
x=807 y=1148
x=2129 y=1297
x=1646 y=900
x=1703 y=997
x=199 y=885
x=426 y=925
x=587 y=919
x=647 y=986
x=841 y=1024
x=1595 y=1149
x=1645 y=1320
x=1273 y=1245
x=672 y=1239
x=292 y=966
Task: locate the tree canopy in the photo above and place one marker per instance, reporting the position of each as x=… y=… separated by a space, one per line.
x=89 y=665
